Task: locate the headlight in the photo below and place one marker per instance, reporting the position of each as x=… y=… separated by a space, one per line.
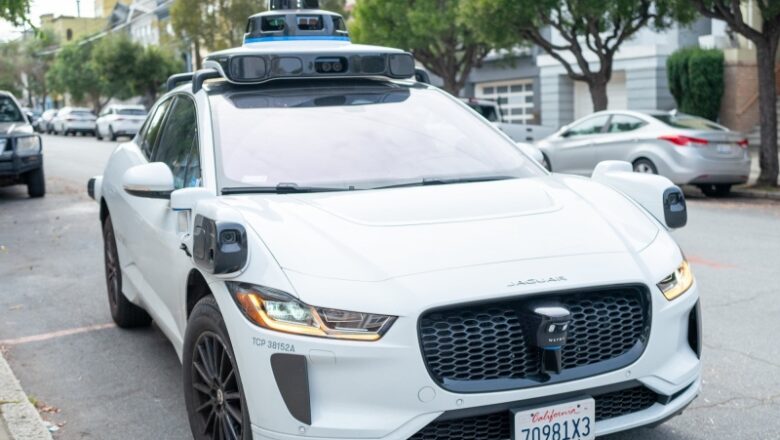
x=276 y=310
x=678 y=282
x=28 y=145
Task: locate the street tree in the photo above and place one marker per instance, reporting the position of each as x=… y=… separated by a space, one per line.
x=212 y=24
x=10 y=73
x=113 y=59
x=15 y=11
x=153 y=68
x=432 y=30
x=74 y=73
x=590 y=31
x=765 y=35
x=34 y=62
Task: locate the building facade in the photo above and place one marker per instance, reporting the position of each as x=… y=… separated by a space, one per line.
x=532 y=87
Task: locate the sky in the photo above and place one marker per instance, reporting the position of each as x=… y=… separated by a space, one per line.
x=40 y=7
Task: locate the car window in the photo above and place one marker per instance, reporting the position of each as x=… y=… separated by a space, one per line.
x=152 y=129
x=690 y=122
x=131 y=112
x=592 y=125
x=487 y=111
x=179 y=133
x=9 y=112
x=624 y=123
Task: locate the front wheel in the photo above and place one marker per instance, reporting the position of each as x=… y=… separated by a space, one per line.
x=124 y=313
x=111 y=134
x=715 y=190
x=213 y=393
x=36 y=183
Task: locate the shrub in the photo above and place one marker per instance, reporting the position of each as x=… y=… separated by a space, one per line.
x=696 y=81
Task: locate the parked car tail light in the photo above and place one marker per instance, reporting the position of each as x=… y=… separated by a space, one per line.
x=683 y=141
x=743 y=143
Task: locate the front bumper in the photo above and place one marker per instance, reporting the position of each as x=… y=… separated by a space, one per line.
x=382 y=390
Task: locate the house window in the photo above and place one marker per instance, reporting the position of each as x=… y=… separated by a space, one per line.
x=515 y=97
x=69 y=34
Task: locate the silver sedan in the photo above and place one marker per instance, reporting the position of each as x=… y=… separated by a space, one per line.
x=686 y=149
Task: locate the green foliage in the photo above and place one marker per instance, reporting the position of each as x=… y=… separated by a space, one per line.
x=586 y=28
x=111 y=67
x=154 y=67
x=696 y=81
x=15 y=11
x=113 y=59
x=433 y=30
x=213 y=24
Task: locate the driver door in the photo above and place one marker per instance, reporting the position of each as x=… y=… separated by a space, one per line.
x=166 y=266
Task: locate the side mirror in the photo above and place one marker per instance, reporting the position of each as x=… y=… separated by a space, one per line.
x=186 y=199
x=531 y=150
x=152 y=180
x=662 y=198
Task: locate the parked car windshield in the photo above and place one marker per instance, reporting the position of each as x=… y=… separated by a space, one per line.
x=131 y=112
x=9 y=112
x=360 y=135
x=688 y=122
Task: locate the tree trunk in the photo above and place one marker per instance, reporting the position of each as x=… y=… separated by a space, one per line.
x=451 y=84
x=767 y=104
x=598 y=95
x=198 y=60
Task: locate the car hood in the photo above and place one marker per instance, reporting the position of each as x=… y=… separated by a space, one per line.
x=383 y=234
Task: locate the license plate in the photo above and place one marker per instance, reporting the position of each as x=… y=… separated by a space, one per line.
x=565 y=421
x=724 y=148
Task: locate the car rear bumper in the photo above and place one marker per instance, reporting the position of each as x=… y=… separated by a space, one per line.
x=79 y=126
x=691 y=168
x=126 y=128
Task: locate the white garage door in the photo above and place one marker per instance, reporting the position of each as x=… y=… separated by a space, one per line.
x=515 y=97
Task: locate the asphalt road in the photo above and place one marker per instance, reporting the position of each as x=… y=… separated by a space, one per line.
x=104 y=383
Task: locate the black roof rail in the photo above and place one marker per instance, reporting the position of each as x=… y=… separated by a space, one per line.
x=201 y=76
x=177 y=79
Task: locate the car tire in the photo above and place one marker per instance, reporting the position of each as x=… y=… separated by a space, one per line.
x=124 y=313
x=716 y=190
x=36 y=183
x=111 y=134
x=645 y=166
x=213 y=392
x=98 y=136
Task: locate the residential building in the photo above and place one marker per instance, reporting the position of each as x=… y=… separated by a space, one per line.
x=67 y=28
x=533 y=87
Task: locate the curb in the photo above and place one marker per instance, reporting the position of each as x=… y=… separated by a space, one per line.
x=756 y=194
x=20 y=417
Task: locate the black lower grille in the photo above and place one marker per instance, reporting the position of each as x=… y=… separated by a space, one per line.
x=498 y=425
x=486 y=347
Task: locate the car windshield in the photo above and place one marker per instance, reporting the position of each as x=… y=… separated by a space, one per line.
x=9 y=112
x=131 y=112
x=687 y=122
x=362 y=135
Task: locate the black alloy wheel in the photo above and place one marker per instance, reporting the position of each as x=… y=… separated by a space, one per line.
x=213 y=391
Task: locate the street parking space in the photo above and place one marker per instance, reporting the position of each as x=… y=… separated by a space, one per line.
x=96 y=381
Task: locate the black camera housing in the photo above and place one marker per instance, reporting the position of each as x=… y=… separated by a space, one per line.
x=219 y=247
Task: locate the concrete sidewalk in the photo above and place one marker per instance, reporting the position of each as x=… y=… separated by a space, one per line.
x=19 y=420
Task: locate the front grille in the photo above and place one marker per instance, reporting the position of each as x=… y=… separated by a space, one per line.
x=498 y=425
x=485 y=347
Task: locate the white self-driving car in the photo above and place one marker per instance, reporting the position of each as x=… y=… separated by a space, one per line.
x=338 y=251
x=119 y=120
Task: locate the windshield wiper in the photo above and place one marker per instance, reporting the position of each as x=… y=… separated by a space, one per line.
x=442 y=181
x=282 y=188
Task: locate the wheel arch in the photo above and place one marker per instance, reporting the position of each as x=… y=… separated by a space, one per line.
x=197 y=289
x=104 y=213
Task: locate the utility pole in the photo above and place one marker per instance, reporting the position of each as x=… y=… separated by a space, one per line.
x=78 y=8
